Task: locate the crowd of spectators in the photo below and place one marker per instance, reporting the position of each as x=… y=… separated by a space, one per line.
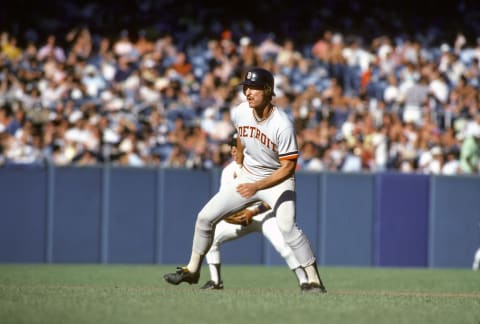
x=140 y=98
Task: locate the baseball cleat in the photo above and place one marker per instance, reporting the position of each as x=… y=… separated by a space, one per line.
x=313 y=287
x=181 y=275
x=212 y=285
x=304 y=286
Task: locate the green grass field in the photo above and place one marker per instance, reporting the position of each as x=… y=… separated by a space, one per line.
x=110 y=294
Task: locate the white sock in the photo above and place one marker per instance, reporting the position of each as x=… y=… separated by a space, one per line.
x=214 y=272
x=195 y=262
x=301 y=275
x=312 y=274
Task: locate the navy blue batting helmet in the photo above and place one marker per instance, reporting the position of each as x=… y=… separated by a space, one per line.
x=258 y=77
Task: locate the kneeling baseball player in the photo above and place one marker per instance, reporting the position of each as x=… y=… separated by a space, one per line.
x=255 y=218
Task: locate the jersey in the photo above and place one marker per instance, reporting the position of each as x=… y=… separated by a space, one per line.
x=265 y=142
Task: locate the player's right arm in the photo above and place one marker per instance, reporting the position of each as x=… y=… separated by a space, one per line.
x=286 y=170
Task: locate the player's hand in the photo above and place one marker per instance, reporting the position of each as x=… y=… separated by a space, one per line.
x=247 y=190
x=242 y=217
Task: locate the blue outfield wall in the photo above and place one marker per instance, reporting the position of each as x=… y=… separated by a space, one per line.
x=454 y=231
x=131 y=218
x=347 y=213
x=147 y=215
x=76 y=215
x=401 y=220
x=24 y=221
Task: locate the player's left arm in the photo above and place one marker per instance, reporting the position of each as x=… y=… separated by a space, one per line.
x=286 y=170
x=244 y=217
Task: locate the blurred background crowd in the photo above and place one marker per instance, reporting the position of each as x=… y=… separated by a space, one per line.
x=370 y=86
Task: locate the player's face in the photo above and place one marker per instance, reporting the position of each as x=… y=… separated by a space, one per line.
x=256 y=97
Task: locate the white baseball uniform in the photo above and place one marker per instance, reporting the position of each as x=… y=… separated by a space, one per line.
x=264 y=222
x=265 y=143
x=476 y=260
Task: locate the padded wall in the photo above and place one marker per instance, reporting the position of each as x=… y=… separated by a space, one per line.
x=401 y=218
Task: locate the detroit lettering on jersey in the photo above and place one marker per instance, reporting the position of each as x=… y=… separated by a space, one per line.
x=254 y=132
x=271 y=140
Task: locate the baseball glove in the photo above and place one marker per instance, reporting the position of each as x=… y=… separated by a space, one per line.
x=242 y=217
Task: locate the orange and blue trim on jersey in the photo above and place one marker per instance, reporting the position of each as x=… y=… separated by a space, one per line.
x=288 y=156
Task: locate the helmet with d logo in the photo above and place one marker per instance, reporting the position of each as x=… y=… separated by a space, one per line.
x=261 y=78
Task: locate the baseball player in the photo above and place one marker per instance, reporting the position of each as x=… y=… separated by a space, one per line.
x=268 y=150
x=476 y=258
x=256 y=218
